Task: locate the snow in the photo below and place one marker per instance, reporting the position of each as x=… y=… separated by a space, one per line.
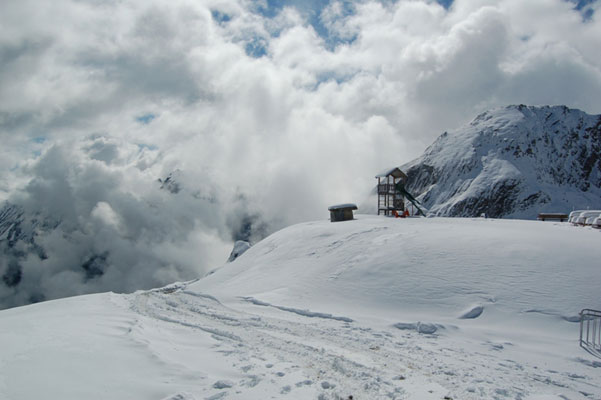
x=376 y=308
x=239 y=248
x=513 y=162
x=342 y=206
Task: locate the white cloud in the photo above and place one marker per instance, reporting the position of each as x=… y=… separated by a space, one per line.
x=100 y=99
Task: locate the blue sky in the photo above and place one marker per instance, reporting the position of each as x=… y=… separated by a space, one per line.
x=311 y=10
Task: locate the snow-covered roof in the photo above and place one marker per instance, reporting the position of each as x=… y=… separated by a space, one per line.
x=343 y=206
x=396 y=172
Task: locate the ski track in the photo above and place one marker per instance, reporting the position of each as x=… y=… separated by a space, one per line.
x=336 y=359
x=304 y=313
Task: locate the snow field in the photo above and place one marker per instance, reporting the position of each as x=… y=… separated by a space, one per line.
x=376 y=308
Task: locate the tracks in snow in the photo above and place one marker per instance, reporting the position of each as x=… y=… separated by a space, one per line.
x=308 y=356
x=328 y=358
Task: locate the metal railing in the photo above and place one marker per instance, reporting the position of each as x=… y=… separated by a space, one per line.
x=590 y=331
x=386 y=188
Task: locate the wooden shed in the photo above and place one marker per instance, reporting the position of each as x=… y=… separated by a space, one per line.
x=552 y=217
x=342 y=212
x=390 y=199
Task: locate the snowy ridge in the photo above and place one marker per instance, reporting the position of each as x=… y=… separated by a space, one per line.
x=378 y=262
x=513 y=162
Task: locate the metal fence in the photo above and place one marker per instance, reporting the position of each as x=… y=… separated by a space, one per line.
x=590 y=331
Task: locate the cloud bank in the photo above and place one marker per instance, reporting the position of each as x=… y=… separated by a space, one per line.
x=267 y=111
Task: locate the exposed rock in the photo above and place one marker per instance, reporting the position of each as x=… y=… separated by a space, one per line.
x=515 y=162
x=171 y=182
x=95 y=266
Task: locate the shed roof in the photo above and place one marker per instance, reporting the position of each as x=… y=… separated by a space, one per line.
x=350 y=206
x=396 y=172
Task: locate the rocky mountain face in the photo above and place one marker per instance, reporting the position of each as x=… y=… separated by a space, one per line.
x=17 y=241
x=512 y=162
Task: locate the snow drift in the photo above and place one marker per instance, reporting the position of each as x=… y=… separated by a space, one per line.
x=436 y=265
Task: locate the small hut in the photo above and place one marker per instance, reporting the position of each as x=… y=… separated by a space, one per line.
x=390 y=198
x=341 y=212
x=552 y=217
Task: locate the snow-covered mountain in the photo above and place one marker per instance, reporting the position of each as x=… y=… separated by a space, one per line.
x=513 y=162
x=374 y=308
x=18 y=231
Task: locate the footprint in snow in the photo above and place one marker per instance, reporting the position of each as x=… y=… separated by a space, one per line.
x=180 y=396
x=420 y=327
x=253 y=380
x=472 y=313
x=217 y=396
x=495 y=346
x=223 y=384
x=326 y=385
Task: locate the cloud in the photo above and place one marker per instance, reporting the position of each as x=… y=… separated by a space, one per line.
x=94 y=223
x=270 y=114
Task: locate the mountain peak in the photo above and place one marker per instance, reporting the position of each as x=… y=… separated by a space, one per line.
x=513 y=161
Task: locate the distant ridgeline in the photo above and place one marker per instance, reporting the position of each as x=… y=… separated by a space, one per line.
x=512 y=162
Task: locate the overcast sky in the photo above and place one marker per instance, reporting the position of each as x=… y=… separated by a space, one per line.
x=269 y=110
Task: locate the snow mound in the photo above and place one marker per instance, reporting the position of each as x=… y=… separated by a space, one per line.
x=439 y=267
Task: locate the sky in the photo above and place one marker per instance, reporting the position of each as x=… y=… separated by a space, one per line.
x=267 y=112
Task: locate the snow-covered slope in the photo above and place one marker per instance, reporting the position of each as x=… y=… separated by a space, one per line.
x=375 y=308
x=515 y=162
x=443 y=266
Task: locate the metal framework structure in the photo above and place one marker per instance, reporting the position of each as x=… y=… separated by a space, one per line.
x=389 y=197
x=590 y=331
